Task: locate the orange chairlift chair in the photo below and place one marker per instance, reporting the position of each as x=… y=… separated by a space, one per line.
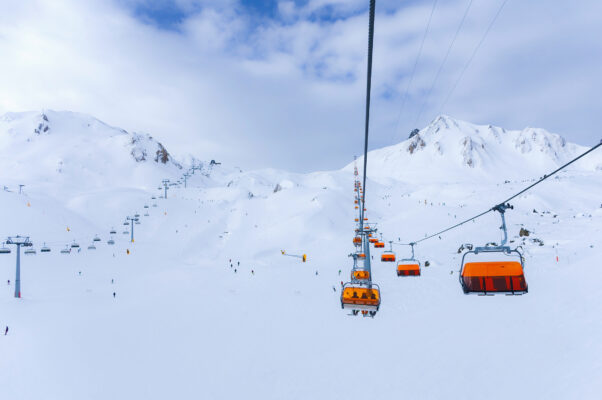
x=379 y=244
x=409 y=266
x=388 y=255
x=494 y=277
x=361 y=294
x=361 y=297
x=358 y=275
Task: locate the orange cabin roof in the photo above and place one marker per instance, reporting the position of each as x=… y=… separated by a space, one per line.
x=387 y=257
x=357 y=220
x=361 y=255
x=357 y=240
x=379 y=245
x=361 y=274
x=361 y=296
x=373 y=240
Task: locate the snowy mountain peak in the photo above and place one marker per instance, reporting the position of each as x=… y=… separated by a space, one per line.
x=51 y=146
x=451 y=149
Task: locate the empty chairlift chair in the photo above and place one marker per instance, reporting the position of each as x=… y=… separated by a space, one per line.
x=409 y=266
x=66 y=250
x=488 y=277
x=110 y=242
x=113 y=231
x=30 y=251
x=96 y=239
x=92 y=247
x=388 y=255
x=45 y=249
x=75 y=245
x=4 y=249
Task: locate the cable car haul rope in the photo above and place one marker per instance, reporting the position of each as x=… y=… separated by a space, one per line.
x=361 y=294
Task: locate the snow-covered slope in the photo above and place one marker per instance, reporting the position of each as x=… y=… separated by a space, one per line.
x=206 y=306
x=452 y=150
x=72 y=150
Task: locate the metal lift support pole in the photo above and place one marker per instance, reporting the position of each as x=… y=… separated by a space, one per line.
x=132 y=223
x=18 y=277
x=18 y=241
x=165 y=185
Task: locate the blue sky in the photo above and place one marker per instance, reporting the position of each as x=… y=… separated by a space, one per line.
x=169 y=14
x=281 y=83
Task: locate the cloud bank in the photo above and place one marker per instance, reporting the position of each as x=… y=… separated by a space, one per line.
x=286 y=88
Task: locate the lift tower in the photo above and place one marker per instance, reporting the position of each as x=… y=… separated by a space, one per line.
x=18 y=241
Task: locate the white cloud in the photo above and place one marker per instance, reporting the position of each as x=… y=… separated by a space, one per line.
x=290 y=93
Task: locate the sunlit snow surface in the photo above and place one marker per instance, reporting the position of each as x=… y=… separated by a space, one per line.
x=184 y=325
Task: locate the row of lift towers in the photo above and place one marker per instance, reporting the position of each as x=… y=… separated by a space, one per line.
x=130 y=221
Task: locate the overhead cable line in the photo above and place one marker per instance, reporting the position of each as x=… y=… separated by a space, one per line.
x=368 y=89
x=405 y=96
x=451 y=45
x=494 y=208
x=476 y=49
